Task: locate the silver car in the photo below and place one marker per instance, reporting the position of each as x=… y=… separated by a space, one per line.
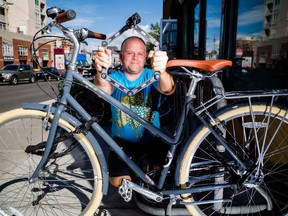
x=14 y=73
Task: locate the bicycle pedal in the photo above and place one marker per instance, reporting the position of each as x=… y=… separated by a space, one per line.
x=125 y=191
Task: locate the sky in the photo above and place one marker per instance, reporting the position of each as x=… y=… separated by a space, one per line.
x=251 y=17
x=109 y=16
x=250 y=20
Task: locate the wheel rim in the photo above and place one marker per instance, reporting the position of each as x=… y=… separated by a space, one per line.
x=59 y=187
x=262 y=188
x=14 y=80
x=32 y=80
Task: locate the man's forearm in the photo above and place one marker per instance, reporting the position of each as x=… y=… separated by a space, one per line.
x=166 y=84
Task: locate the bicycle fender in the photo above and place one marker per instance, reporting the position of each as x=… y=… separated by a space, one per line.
x=75 y=122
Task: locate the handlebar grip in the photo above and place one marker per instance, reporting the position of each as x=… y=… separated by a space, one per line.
x=66 y=16
x=96 y=35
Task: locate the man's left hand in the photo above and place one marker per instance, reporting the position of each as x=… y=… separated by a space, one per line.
x=159 y=60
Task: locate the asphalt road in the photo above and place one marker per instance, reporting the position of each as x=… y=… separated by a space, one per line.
x=12 y=96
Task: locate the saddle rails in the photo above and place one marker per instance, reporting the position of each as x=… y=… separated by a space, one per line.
x=206 y=70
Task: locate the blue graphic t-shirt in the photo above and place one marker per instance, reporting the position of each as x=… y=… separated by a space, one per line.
x=145 y=104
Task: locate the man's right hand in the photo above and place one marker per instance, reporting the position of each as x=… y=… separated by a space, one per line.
x=103 y=58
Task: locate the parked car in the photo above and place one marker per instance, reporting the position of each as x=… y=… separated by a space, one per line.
x=47 y=73
x=14 y=73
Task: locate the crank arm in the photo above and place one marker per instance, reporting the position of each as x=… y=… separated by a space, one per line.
x=147 y=193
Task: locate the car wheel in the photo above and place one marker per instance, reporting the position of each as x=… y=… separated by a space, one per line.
x=14 y=80
x=32 y=79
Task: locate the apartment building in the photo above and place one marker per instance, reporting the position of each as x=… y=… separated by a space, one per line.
x=19 y=21
x=273 y=49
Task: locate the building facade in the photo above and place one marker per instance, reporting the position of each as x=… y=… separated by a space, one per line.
x=272 y=50
x=252 y=34
x=19 y=21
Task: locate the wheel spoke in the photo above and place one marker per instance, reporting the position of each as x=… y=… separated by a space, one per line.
x=67 y=183
x=258 y=135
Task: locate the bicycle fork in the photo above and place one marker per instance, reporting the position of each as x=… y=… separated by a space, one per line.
x=50 y=140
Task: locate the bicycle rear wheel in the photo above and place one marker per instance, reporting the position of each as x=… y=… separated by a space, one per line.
x=259 y=136
x=69 y=184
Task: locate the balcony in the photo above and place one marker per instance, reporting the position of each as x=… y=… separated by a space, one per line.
x=267 y=26
x=268 y=18
x=2 y=18
x=3 y=3
x=4 y=26
x=267 y=32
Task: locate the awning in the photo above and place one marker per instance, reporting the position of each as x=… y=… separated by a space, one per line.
x=82 y=60
x=82 y=63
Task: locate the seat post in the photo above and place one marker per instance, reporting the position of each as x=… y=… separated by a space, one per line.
x=193 y=84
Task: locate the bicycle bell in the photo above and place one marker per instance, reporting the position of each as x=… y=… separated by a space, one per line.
x=53 y=12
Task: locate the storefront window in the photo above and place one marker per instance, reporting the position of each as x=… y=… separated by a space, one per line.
x=262 y=37
x=213 y=28
x=168 y=36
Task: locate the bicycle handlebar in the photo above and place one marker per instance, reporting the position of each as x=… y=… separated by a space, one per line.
x=96 y=35
x=84 y=33
x=65 y=16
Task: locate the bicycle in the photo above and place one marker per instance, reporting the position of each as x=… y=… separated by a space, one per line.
x=234 y=163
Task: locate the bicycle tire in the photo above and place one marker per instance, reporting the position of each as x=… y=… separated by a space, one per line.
x=68 y=185
x=266 y=184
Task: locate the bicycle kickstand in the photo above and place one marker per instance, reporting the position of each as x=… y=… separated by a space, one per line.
x=169 y=206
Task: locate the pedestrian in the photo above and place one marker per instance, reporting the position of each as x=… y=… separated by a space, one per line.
x=128 y=133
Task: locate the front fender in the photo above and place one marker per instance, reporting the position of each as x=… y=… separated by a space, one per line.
x=75 y=122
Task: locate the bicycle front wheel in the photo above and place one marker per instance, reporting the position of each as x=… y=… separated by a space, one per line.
x=69 y=184
x=258 y=135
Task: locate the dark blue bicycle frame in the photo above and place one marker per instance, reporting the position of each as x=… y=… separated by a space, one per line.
x=67 y=99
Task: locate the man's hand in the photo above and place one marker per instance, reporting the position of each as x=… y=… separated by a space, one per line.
x=102 y=58
x=159 y=60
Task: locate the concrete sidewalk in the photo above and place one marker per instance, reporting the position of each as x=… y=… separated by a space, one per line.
x=114 y=205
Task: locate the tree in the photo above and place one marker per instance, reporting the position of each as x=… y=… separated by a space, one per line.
x=155 y=33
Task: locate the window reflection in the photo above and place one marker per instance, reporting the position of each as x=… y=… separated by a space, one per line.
x=262 y=42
